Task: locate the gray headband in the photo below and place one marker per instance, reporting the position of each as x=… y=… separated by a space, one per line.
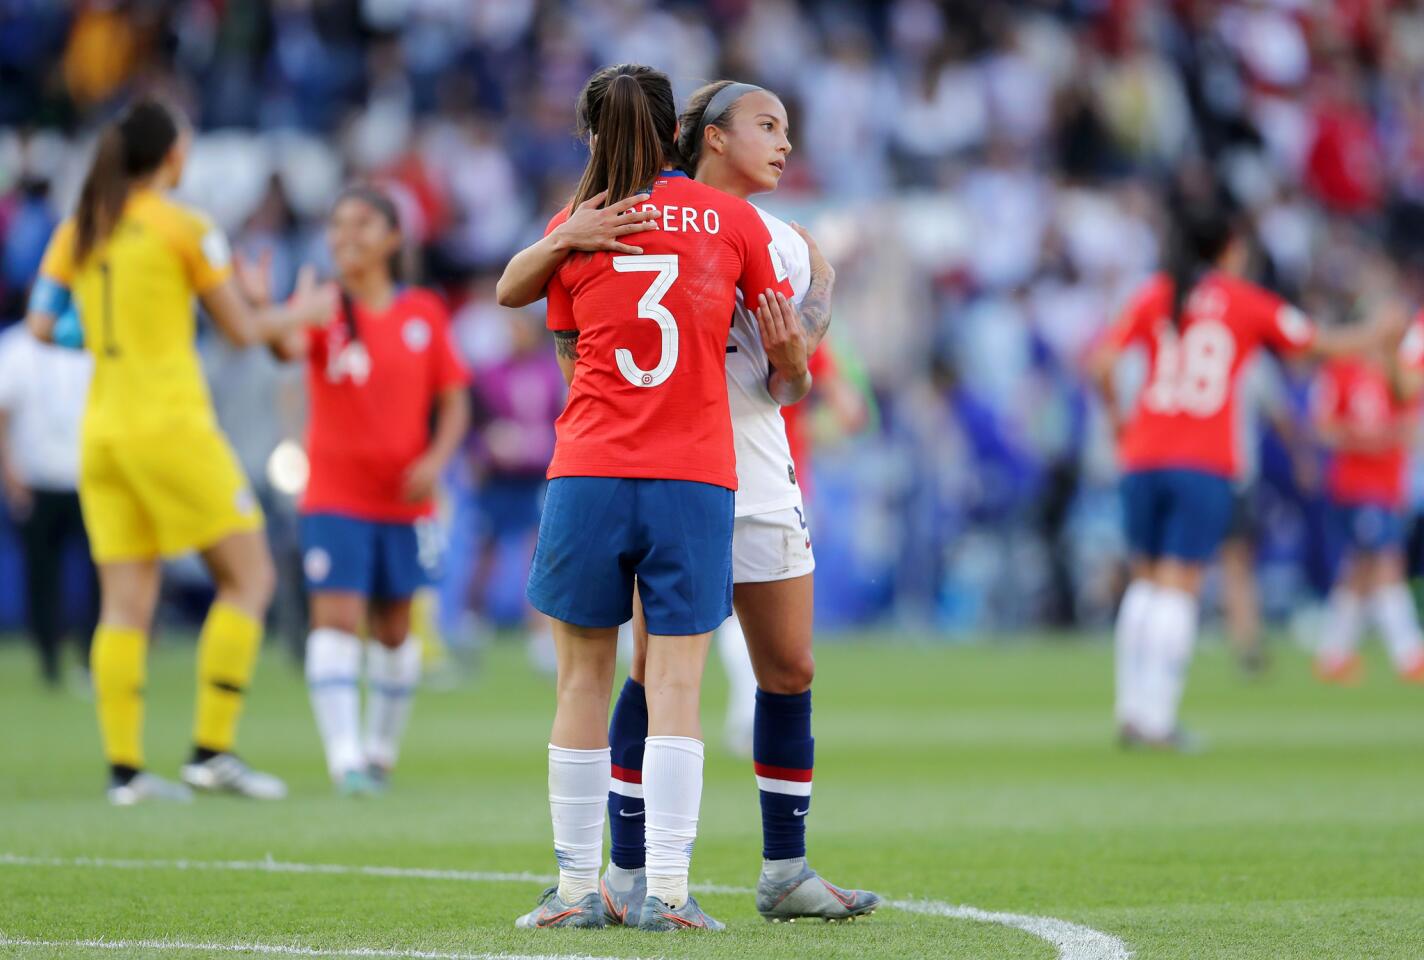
x=724 y=98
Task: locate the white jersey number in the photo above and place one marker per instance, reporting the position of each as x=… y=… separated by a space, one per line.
x=650 y=307
x=1192 y=374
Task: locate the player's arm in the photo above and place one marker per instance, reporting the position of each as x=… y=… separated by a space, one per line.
x=784 y=338
x=589 y=228
x=452 y=422
x=50 y=315
x=248 y=325
x=1406 y=363
x=1329 y=428
x=13 y=490
x=1101 y=371
x=254 y=279
x=815 y=306
x=1384 y=331
x=566 y=351
x=1134 y=325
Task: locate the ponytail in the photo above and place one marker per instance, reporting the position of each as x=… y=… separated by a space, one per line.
x=101 y=200
x=1200 y=238
x=1184 y=271
x=129 y=148
x=627 y=115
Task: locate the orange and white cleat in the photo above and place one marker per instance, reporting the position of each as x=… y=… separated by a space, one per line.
x=1346 y=671
x=1413 y=672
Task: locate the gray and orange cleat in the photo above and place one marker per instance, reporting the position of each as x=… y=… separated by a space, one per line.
x=806 y=896
x=554 y=911
x=623 y=893
x=143 y=787
x=227 y=773
x=658 y=917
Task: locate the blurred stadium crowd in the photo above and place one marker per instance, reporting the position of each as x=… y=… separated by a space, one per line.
x=987 y=177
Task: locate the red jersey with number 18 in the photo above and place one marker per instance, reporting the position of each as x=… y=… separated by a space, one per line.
x=1186 y=412
x=649 y=394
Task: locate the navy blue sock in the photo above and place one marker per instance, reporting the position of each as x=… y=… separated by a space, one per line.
x=783 y=752
x=626 y=735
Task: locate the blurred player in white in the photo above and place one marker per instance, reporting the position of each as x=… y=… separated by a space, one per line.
x=734 y=137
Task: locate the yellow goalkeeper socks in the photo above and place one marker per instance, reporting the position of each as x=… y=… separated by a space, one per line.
x=227 y=651
x=118 y=664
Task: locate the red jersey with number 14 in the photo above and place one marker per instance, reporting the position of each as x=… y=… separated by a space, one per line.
x=1186 y=412
x=371 y=403
x=649 y=394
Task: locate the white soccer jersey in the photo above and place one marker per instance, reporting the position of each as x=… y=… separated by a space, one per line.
x=766 y=475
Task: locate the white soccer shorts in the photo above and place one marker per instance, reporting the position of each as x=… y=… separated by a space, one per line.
x=771 y=546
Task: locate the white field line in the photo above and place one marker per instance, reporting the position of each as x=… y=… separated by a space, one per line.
x=284 y=950
x=1072 y=940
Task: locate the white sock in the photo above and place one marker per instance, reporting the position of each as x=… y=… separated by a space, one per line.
x=741 y=680
x=779 y=871
x=1399 y=624
x=1344 y=621
x=672 y=798
x=333 y=674
x=622 y=880
x=1170 y=631
x=578 y=796
x=391 y=678
x=1129 y=649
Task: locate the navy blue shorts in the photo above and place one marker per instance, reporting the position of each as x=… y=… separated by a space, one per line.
x=600 y=533
x=385 y=561
x=1367 y=527
x=1182 y=514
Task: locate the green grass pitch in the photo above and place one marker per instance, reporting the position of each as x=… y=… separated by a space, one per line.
x=983 y=776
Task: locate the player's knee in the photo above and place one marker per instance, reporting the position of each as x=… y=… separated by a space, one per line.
x=582 y=677
x=258 y=582
x=792 y=674
x=390 y=631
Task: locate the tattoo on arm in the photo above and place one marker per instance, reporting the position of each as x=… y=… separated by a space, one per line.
x=815 y=308
x=566 y=343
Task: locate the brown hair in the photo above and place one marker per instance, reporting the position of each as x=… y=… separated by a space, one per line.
x=627 y=114
x=694 y=121
x=380 y=201
x=131 y=147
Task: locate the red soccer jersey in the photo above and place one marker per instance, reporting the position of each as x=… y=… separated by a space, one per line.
x=371 y=403
x=649 y=394
x=1355 y=396
x=1185 y=416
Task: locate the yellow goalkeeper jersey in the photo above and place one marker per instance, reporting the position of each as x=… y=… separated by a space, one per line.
x=135 y=294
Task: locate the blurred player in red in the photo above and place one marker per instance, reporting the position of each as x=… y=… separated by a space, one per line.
x=641 y=484
x=389 y=407
x=1198 y=324
x=1367 y=426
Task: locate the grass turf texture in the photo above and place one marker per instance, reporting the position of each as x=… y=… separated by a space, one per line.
x=984 y=776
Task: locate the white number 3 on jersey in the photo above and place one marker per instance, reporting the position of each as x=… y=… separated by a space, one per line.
x=650 y=307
